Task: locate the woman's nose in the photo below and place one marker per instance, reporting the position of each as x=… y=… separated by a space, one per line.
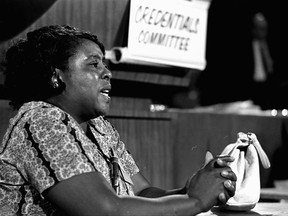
x=107 y=75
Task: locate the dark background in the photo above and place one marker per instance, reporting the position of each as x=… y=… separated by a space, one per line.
x=229 y=71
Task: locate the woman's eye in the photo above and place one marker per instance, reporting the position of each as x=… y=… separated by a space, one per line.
x=99 y=65
x=95 y=64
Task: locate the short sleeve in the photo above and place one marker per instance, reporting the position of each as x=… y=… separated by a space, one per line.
x=54 y=152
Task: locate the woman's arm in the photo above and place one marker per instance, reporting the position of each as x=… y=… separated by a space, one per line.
x=142 y=187
x=90 y=194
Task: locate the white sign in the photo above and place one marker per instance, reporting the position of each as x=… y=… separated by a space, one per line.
x=171 y=32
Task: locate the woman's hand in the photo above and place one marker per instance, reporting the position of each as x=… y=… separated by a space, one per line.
x=214 y=183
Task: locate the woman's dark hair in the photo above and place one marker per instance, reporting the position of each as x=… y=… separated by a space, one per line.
x=30 y=62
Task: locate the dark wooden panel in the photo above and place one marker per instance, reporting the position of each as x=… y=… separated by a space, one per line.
x=199 y=132
x=150 y=142
x=100 y=17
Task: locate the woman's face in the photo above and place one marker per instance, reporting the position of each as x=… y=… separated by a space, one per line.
x=87 y=83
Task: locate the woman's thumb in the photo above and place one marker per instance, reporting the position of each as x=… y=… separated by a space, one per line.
x=208 y=157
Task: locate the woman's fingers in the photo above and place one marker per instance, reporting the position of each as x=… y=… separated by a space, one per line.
x=229 y=174
x=222 y=161
x=222 y=198
x=230 y=186
x=229 y=191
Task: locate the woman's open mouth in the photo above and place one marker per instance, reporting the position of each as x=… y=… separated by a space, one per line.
x=106 y=92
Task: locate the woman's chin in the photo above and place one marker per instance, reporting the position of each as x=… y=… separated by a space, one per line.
x=104 y=110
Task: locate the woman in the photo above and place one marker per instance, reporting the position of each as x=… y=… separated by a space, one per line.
x=60 y=156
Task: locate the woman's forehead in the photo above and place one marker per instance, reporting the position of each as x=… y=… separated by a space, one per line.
x=89 y=50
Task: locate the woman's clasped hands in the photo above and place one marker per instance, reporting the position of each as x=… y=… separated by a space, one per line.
x=214 y=183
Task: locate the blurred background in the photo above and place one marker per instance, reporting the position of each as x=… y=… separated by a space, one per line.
x=228 y=76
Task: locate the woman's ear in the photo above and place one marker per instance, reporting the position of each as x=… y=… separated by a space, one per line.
x=56 y=79
x=59 y=74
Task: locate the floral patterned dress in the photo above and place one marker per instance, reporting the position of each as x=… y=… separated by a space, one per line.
x=44 y=145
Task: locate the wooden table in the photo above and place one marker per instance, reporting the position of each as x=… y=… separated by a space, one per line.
x=262 y=208
x=274 y=193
